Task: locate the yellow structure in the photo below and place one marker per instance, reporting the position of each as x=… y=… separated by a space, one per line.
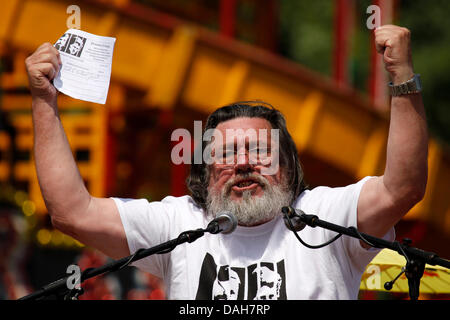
x=175 y=64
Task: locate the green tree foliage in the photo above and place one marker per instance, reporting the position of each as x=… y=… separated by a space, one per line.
x=306 y=36
x=306 y=33
x=429 y=23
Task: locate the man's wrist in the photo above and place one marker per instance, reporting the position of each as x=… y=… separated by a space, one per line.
x=411 y=86
x=44 y=104
x=401 y=76
x=45 y=98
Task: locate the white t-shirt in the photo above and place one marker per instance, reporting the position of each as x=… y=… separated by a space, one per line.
x=262 y=262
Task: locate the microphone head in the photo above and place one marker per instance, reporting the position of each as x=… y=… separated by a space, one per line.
x=288 y=210
x=227 y=221
x=294 y=218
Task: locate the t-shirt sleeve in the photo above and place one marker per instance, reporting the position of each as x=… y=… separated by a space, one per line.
x=146 y=225
x=339 y=206
x=359 y=256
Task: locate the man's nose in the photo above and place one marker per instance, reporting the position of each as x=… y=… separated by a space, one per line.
x=242 y=157
x=243 y=161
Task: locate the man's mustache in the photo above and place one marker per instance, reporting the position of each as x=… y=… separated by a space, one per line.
x=250 y=175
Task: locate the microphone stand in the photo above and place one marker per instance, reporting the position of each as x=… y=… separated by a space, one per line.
x=416 y=258
x=60 y=289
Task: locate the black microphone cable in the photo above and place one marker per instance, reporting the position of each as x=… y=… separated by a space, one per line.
x=360 y=236
x=292 y=228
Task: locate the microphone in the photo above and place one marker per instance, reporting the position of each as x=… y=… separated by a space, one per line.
x=225 y=222
x=294 y=217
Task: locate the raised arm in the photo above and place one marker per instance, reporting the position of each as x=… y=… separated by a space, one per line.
x=385 y=200
x=93 y=221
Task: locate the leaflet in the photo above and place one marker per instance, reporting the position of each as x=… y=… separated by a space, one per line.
x=86 y=65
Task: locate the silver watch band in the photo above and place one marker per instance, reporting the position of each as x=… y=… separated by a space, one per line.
x=413 y=85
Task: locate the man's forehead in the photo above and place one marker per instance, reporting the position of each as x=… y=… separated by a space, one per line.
x=233 y=137
x=244 y=129
x=244 y=123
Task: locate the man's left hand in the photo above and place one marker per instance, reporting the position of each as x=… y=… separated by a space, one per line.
x=394 y=43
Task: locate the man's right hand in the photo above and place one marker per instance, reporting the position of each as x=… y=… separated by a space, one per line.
x=42 y=67
x=93 y=221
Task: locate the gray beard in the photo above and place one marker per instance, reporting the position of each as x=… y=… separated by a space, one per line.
x=250 y=210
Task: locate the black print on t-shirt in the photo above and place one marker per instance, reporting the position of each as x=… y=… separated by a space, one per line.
x=71 y=44
x=259 y=281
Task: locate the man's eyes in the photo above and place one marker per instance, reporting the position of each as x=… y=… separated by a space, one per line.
x=228 y=153
x=252 y=152
x=259 y=151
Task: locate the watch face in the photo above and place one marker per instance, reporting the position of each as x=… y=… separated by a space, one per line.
x=418 y=82
x=413 y=85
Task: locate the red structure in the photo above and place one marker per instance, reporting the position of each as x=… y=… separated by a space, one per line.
x=228 y=17
x=378 y=77
x=343 y=25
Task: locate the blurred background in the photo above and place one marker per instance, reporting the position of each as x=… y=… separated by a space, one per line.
x=177 y=60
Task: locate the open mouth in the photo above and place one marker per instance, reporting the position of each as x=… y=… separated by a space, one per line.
x=245 y=184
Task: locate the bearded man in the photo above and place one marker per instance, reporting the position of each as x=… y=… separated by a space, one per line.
x=238 y=180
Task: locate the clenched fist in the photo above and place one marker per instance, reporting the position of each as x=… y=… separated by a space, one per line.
x=394 y=43
x=42 y=67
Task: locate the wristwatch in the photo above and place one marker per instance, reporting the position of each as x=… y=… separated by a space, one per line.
x=414 y=85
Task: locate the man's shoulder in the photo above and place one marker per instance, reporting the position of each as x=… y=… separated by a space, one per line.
x=167 y=199
x=323 y=192
x=180 y=211
x=309 y=194
x=181 y=202
x=185 y=200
